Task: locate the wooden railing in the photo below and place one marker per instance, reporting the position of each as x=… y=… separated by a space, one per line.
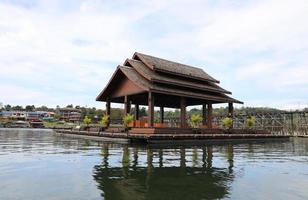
x=294 y=123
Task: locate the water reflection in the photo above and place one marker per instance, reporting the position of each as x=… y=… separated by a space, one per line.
x=189 y=174
x=68 y=168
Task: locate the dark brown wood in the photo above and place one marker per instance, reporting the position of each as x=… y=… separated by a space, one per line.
x=151 y=109
x=127 y=106
x=230 y=110
x=108 y=111
x=161 y=114
x=183 y=112
x=204 y=114
x=209 y=115
x=137 y=112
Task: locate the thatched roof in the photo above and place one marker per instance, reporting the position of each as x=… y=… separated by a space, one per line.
x=149 y=74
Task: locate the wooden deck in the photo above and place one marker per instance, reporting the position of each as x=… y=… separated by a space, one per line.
x=152 y=135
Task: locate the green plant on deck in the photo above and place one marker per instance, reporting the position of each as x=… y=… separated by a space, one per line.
x=251 y=121
x=87 y=120
x=127 y=119
x=195 y=119
x=227 y=122
x=105 y=120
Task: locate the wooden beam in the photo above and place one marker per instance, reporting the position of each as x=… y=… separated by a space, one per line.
x=136 y=111
x=209 y=115
x=183 y=112
x=161 y=114
x=150 y=109
x=204 y=114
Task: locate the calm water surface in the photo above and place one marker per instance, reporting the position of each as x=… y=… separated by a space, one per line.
x=39 y=165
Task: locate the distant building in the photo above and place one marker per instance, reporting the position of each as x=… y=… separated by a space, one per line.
x=15 y=115
x=69 y=114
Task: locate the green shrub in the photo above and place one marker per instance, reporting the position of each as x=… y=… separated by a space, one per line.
x=251 y=121
x=105 y=120
x=87 y=120
x=227 y=122
x=195 y=120
x=127 y=119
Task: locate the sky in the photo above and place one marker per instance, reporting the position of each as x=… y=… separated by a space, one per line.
x=56 y=52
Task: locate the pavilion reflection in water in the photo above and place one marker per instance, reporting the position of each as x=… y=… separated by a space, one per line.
x=180 y=173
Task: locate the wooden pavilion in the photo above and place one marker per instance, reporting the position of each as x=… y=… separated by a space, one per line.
x=149 y=81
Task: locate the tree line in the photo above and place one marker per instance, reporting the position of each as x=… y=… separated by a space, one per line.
x=118 y=113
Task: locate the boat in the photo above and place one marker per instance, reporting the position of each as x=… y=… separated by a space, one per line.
x=18 y=124
x=37 y=124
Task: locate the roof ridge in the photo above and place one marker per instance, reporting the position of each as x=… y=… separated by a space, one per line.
x=167 y=66
x=170 y=61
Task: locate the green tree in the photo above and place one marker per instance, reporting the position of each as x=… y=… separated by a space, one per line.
x=7 y=107
x=29 y=108
x=17 y=108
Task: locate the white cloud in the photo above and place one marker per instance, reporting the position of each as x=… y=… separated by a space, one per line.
x=73 y=47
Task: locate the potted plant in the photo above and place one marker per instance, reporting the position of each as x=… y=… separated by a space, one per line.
x=228 y=123
x=195 y=120
x=105 y=121
x=87 y=121
x=127 y=119
x=250 y=122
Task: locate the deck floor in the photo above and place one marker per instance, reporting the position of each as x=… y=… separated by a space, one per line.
x=177 y=134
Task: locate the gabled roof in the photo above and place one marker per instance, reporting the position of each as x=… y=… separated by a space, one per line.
x=141 y=71
x=162 y=78
x=133 y=75
x=162 y=65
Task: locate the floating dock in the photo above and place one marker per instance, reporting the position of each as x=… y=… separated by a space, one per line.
x=168 y=135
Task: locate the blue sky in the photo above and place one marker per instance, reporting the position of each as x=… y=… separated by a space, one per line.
x=59 y=52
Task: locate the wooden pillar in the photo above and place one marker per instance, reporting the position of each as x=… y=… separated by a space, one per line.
x=108 y=111
x=161 y=114
x=230 y=112
x=203 y=114
x=209 y=115
x=151 y=109
x=126 y=105
x=183 y=112
x=137 y=112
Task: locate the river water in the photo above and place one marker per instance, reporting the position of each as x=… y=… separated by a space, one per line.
x=37 y=164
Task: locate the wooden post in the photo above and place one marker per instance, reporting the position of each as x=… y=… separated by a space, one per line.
x=203 y=114
x=108 y=111
x=151 y=109
x=136 y=111
x=209 y=115
x=183 y=112
x=161 y=114
x=230 y=112
x=126 y=105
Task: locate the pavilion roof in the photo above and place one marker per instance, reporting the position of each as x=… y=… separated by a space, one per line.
x=166 y=66
x=169 y=78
